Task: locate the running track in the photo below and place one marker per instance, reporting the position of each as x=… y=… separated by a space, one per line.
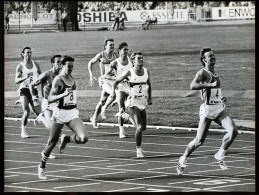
x=108 y=164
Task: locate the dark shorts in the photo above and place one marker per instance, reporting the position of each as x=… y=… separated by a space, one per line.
x=26 y=92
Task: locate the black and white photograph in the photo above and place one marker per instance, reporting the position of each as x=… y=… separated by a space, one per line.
x=129 y=96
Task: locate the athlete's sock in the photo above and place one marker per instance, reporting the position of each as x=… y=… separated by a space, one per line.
x=43 y=161
x=221 y=153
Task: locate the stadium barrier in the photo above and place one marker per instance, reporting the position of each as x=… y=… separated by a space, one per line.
x=138 y=16
x=148 y=126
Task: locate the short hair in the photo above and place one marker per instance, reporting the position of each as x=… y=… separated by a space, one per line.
x=67 y=59
x=121 y=45
x=134 y=54
x=106 y=41
x=24 y=50
x=202 y=52
x=53 y=58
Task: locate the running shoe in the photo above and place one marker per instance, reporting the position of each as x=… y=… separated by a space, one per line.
x=41 y=173
x=24 y=134
x=94 y=122
x=62 y=143
x=181 y=165
x=122 y=134
x=140 y=153
x=221 y=161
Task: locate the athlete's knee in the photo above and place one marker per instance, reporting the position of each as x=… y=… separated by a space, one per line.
x=52 y=142
x=83 y=138
x=198 y=142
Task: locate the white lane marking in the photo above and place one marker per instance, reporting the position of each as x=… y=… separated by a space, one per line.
x=11 y=176
x=140 y=178
x=79 y=185
x=127 y=189
x=104 y=174
x=34 y=189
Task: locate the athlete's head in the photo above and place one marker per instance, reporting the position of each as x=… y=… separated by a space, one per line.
x=67 y=63
x=123 y=49
x=56 y=62
x=207 y=56
x=108 y=44
x=137 y=59
x=26 y=53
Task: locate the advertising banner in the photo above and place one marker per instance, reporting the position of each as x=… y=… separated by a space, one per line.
x=219 y=13
x=25 y=19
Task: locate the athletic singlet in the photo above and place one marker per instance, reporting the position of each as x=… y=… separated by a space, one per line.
x=68 y=102
x=106 y=62
x=212 y=95
x=47 y=84
x=25 y=72
x=121 y=68
x=137 y=84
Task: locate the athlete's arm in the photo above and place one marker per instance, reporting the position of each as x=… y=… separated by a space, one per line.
x=197 y=84
x=38 y=81
x=90 y=64
x=113 y=66
x=18 y=75
x=53 y=94
x=38 y=67
x=149 y=99
x=123 y=76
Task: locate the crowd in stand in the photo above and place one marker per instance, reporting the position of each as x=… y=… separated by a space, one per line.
x=53 y=6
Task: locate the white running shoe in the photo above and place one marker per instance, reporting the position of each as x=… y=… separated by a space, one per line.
x=24 y=134
x=221 y=161
x=62 y=143
x=181 y=165
x=94 y=122
x=103 y=113
x=122 y=134
x=140 y=153
x=41 y=173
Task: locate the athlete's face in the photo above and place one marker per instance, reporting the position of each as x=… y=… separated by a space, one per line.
x=68 y=67
x=57 y=64
x=110 y=46
x=138 y=60
x=124 y=51
x=27 y=54
x=209 y=58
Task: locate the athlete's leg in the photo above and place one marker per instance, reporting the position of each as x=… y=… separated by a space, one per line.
x=26 y=112
x=99 y=105
x=202 y=132
x=107 y=88
x=121 y=103
x=80 y=134
x=226 y=122
x=138 y=117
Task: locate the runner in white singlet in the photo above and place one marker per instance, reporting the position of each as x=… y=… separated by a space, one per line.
x=26 y=72
x=207 y=80
x=121 y=64
x=139 y=83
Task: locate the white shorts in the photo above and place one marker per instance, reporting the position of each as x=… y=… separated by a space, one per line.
x=124 y=87
x=105 y=81
x=139 y=102
x=211 y=111
x=45 y=105
x=64 y=116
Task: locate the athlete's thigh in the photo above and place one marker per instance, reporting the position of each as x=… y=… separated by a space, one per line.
x=135 y=115
x=77 y=126
x=203 y=128
x=55 y=130
x=104 y=95
x=25 y=102
x=225 y=121
x=36 y=109
x=121 y=99
x=107 y=87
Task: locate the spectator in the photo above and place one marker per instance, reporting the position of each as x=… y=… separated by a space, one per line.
x=64 y=18
x=117 y=20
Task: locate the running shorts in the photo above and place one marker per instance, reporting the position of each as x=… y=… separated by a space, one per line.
x=124 y=87
x=139 y=102
x=211 y=111
x=64 y=116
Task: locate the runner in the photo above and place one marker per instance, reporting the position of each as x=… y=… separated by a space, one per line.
x=213 y=109
x=139 y=81
x=64 y=91
x=105 y=58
